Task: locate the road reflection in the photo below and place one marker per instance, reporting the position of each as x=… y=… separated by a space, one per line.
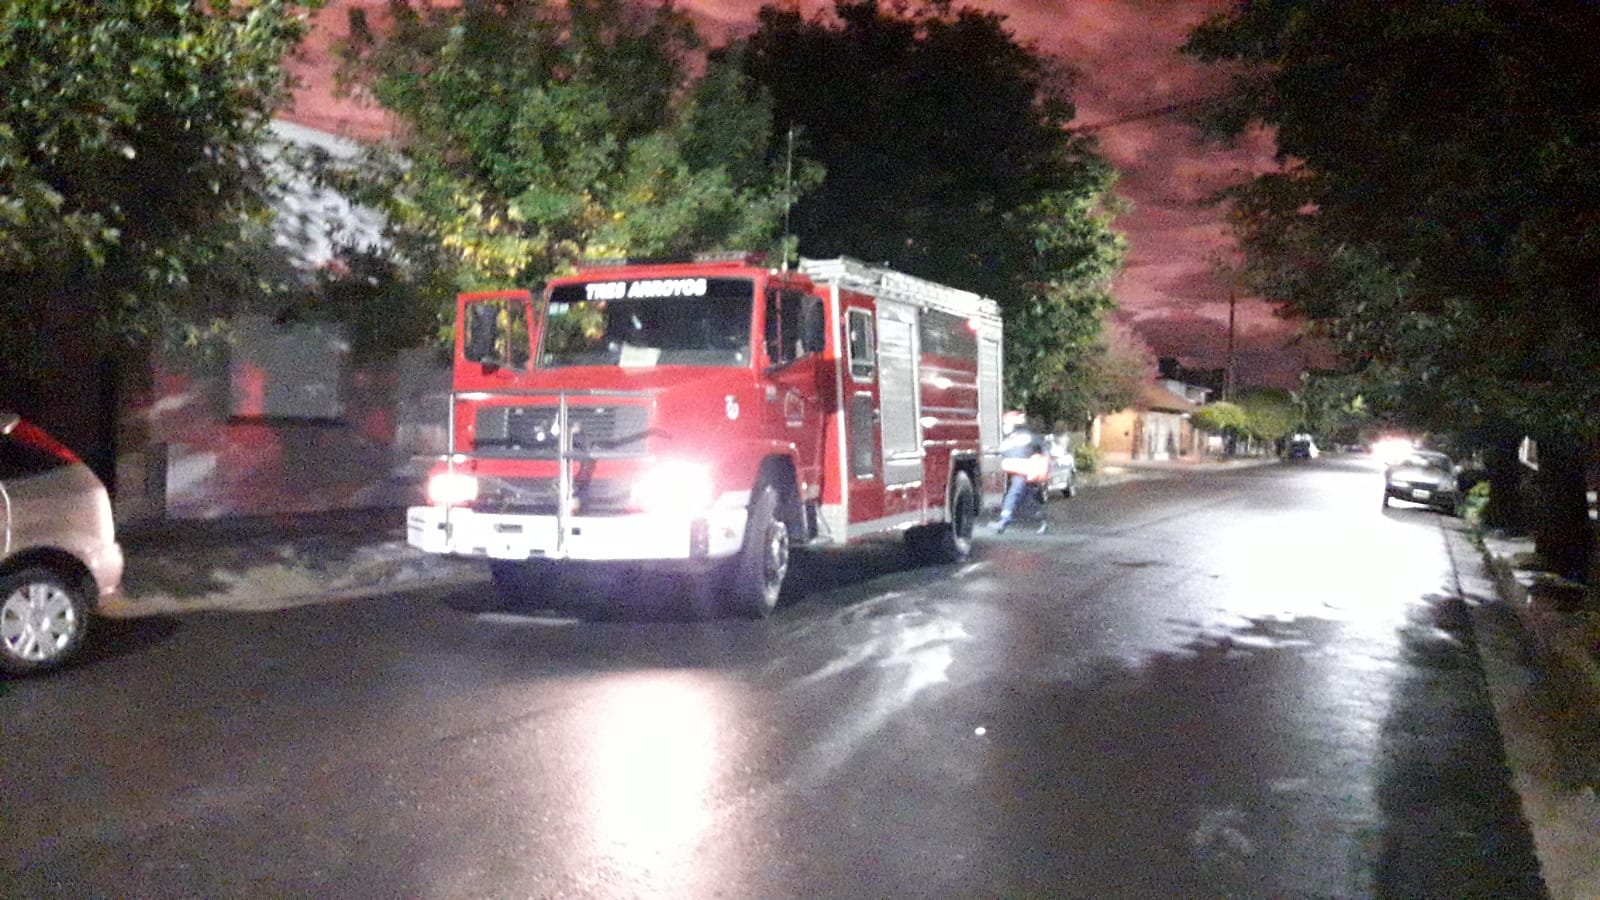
x=655 y=741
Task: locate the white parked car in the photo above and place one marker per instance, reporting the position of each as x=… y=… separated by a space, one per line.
x=1063 y=468
x=59 y=556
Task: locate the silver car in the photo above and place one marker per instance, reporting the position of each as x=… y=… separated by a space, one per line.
x=1423 y=476
x=1063 y=467
x=59 y=556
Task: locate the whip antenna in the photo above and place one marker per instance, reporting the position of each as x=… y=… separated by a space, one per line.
x=788 y=195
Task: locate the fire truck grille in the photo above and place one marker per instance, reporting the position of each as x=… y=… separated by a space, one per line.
x=537 y=496
x=529 y=432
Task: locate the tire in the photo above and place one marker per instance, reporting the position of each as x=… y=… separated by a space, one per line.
x=755 y=578
x=950 y=542
x=43 y=620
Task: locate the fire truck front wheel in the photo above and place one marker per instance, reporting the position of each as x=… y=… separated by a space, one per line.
x=755 y=577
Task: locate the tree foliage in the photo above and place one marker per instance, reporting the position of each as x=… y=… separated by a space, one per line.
x=1333 y=407
x=1439 y=215
x=947 y=156
x=537 y=134
x=1270 y=413
x=130 y=161
x=1102 y=377
x=1220 y=417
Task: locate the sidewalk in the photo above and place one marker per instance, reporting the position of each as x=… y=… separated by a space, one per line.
x=1116 y=469
x=260 y=564
x=1541 y=656
x=1561 y=617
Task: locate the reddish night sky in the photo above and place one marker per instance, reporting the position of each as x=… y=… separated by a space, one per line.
x=1125 y=54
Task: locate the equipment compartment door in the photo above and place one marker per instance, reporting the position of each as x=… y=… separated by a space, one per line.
x=897 y=394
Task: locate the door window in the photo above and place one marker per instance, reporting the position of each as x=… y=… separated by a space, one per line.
x=863 y=364
x=784 y=336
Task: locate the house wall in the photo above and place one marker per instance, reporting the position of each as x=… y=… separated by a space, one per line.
x=217 y=437
x=1160 y=436
x=1145 y=434
x=1116 y=432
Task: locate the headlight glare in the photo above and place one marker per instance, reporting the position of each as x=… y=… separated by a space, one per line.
x=452 y=489
x=674 y=486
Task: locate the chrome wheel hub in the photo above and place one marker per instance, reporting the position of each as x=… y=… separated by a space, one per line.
x=776 y=564
x=37 y=622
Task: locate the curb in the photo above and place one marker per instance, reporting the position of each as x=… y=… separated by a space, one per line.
x=283 y=579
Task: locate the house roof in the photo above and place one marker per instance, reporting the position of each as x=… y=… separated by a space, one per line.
x=1156 y=397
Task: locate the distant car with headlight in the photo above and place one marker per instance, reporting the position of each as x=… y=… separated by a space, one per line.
x=1301 y=446
x=1423 y=476
x=59 y=558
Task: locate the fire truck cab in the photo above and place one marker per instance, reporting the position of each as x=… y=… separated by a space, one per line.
x=708 y=416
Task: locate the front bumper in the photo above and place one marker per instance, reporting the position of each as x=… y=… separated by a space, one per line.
x=718 y=534
x=1431 y=495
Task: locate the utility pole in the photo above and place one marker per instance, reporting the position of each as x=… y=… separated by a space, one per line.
x=1227 y=384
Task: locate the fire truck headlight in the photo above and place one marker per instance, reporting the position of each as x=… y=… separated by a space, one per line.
x=452 y=489
x=674 y=486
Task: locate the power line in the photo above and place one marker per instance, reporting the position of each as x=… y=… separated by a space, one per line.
x=1152 y=113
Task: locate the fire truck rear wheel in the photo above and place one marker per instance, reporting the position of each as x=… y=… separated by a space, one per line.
x=756 y=576
x=952 y=541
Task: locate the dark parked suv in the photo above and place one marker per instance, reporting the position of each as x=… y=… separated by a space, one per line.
x=59 y=556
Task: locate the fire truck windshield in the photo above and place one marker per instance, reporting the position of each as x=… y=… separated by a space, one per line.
x=649 y=322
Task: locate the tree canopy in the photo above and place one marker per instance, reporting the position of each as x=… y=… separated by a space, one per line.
x=536 y=134
x=130 y=142
x=1439 y=211
x=947 y=156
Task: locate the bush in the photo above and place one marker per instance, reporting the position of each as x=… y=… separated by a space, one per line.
x=1087 y=458
x=1473 y=503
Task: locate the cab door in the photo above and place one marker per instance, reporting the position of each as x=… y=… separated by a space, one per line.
x=795 y=410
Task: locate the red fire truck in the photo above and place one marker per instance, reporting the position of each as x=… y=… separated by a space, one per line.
x=708 y=416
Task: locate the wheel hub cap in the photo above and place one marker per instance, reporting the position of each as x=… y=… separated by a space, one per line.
x=777 y=556
x=36 y=622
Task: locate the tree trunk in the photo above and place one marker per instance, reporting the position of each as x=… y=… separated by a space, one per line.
x=1563 y=535
x=1506 y=508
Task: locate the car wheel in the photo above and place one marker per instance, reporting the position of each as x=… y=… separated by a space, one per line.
x=756 y=576
x=43 y=620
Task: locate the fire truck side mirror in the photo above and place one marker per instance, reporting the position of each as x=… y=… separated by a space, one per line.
x=813 y=326
x=482 y=321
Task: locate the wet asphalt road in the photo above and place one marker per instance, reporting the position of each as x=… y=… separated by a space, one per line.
x=1253 y=683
